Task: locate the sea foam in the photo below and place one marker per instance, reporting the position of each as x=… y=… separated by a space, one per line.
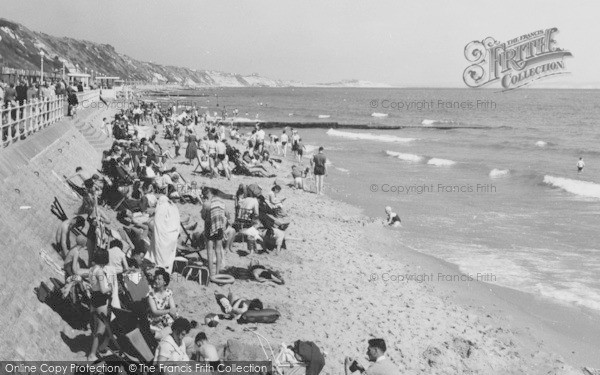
x=577 y=187
x=405 y=157
x=440 y=162
x=497 y=173
x=368 y=136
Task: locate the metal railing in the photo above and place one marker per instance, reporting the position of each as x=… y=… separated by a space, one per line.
x=17 y=121
x=88 y=96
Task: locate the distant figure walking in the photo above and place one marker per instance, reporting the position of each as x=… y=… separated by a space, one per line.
x=580 y=165
x=319 y=162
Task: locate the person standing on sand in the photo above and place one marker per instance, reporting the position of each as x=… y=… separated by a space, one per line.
x=213 y=214
x=284 y=142
x=580 y=165
x=318 y=162
x=376 y=353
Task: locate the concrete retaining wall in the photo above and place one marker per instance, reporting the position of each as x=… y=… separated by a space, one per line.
x=31 y=175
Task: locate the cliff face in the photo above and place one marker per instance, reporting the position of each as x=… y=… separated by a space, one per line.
x=20 y=48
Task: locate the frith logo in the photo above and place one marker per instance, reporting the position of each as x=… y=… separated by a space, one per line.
x=515 y=63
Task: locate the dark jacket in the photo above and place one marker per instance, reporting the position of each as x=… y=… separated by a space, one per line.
x=72 y=99
x=21 y=92
x=312 y=355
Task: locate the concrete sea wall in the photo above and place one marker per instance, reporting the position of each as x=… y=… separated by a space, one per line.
x=31 y=176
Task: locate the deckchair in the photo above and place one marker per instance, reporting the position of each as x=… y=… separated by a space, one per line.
x=126 y=338
x=284 y=361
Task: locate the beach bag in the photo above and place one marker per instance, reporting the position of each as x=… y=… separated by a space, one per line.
x=259 y=316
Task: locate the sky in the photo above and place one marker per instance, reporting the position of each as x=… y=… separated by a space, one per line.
x=404 y=43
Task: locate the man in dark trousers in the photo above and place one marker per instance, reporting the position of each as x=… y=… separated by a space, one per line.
x=21 y=95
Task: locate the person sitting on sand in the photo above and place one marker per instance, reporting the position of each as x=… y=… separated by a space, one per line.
x=274 y=201
x=250 y=208
x=138 y=258
x=163 y=181
x=79 y=177
x=172 y=347
x=90 y=205
x=376 y=354
x=204 y=164
x=205 y=351
x=116 y=257
x=72 y=264
x=392 y=218
x=63 y=233
x=162 y=306
x=298 y=177
x=310 y=354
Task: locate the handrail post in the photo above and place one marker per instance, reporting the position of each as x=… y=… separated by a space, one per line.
x=2 y=125
x=10 y=123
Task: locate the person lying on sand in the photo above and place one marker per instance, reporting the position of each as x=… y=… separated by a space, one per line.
x=263 y=274
x=234 y=309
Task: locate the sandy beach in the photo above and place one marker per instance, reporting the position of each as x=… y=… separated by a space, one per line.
x=458 y=225
x=347 y=281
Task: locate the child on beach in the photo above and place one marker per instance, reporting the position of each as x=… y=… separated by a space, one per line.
x=253 y=236
x=298 y=178
x=300 y=150
x=176 y=143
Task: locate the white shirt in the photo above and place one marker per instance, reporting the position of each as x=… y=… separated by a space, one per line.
x=116 y=258
x=170 y=350
x=260 y=135
x=163 y=181
x=182 y=117
x=150 y=172
x=580 y=164
x=284 y=138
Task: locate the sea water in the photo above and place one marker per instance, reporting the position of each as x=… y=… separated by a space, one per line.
x=503 y=199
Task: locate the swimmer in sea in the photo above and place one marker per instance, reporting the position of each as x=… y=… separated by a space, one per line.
x=393 y=218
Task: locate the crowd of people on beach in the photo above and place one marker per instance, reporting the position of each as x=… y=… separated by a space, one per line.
x=122 y=249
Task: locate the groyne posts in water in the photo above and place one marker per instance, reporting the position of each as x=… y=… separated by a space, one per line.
x=21 y=120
